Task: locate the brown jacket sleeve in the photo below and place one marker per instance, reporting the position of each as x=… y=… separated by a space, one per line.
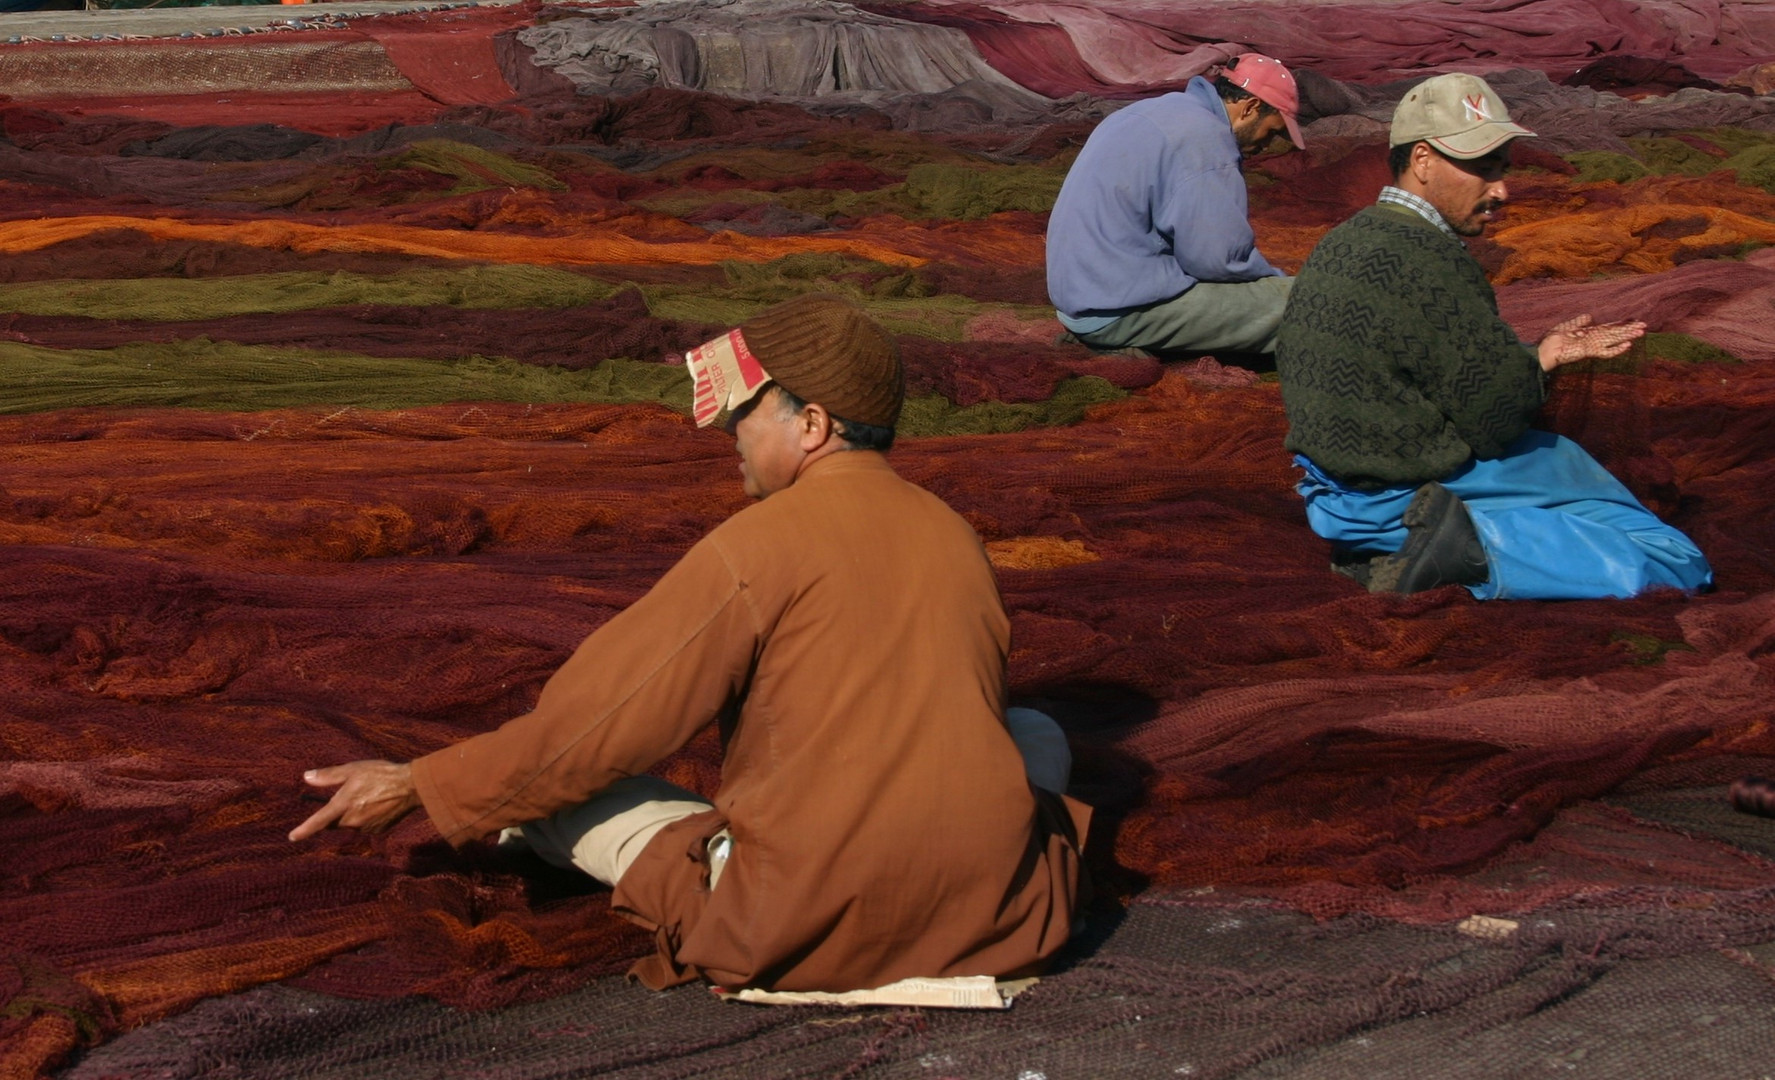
x=631 y=694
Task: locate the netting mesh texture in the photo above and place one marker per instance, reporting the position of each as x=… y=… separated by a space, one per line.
x=1645 y=981
x=332 y=442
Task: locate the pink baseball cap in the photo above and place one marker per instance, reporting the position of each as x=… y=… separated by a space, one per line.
x=1264 y=78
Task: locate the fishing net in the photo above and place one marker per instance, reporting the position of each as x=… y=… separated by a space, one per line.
x=1137 y=44
x=1181 y=985
x=324 y=439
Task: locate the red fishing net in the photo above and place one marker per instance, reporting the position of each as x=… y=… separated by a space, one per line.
x=242 y=537
x=201 y=607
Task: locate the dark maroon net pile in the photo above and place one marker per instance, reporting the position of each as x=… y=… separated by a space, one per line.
x=1644 y=981
x=226 y=611
x=219 y=568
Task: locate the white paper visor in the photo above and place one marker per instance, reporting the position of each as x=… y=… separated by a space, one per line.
x=724 y=375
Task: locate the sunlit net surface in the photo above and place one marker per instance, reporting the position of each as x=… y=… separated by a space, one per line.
x=326 y=438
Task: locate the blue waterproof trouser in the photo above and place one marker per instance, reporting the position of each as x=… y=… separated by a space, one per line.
x=1555 y=525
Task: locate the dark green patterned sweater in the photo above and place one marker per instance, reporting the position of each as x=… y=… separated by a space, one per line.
x=1395 y=366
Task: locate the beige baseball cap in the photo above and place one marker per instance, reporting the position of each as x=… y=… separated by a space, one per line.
x=1458 y=114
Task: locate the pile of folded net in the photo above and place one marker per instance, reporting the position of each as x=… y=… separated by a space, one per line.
x=329 y=431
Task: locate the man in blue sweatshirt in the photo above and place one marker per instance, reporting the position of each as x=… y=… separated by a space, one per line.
x=1149 y=245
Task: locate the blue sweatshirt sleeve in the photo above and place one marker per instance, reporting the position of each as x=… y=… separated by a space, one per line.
x=1202 y=214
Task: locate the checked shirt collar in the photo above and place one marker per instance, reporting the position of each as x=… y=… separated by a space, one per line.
x=1399 y=197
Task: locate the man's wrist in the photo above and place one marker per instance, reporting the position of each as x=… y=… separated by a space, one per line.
x=1547 y=355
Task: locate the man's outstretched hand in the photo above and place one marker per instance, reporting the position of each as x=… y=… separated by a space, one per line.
x=372 y=796
x=1577 y=339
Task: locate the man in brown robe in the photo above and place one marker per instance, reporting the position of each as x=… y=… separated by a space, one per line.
x=879 y=816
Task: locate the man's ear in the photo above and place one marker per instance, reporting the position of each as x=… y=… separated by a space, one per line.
x=1420 y=161
x=1237 y=112
x=814 y=426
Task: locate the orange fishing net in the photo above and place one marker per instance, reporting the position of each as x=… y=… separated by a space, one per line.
x=198 y=603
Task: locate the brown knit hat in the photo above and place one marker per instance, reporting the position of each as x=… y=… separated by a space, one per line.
x=823 y=348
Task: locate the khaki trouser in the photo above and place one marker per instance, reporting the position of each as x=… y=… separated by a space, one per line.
x=1208 y=317
x=604 y=835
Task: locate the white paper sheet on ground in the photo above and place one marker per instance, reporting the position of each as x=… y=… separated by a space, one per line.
x=725 y=375
x=1487 y=928
x=961 y=992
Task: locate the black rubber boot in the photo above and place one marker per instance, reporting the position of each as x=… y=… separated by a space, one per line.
x=1441 y=547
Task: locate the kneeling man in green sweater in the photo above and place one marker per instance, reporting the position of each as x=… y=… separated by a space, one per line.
x=1409 y=399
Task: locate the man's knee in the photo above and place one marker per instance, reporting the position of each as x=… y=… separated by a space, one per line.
x=604 y=835
x=1241 y=317
x=1046 y=758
